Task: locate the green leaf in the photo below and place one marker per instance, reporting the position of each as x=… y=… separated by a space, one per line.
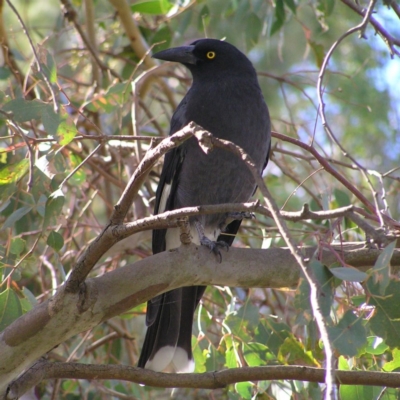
x=250 y=313
x=342 y=198
x=279 y=16
x=381 y=268
x=115 y=95
x=375 y=345
x=3 y=156
x=51 y=68
x=163 y=35
x=54 y=207
x=4 y=73
x=10 y=308
x=199 y=356
x=17 y=246
x=14 y=172
x=253 y=29
x=152 y=7
x=385 y=322
x=272 y=333
x=326 y=7
x=292 y=5
x=325 y=294
x=349 y=335
x=343 y=365
x=50 y=119
x=55 y=241
x=356 y=392
x=79 y=176
x=204 y=18
x=29 y=298
x=256 y=354
x=66 y=132
x=349 y=274
x=25 y=110
x=293 y=352
x=15 y=216
x=319 y=52
x=231 y=360
x=245 y=389
x=358 y=300
x=214 y=359
x=394 y=363
x=185 y=21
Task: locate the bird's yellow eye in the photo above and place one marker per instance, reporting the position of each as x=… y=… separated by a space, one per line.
x=210 y=55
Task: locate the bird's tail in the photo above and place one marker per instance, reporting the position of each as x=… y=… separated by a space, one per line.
x=167 y=345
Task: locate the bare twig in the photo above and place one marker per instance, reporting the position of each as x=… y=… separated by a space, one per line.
x=71 y=15
x=38 y=66
x=89 y=13
x=360 y=28
x=139 y=46
x=328 y=168
x=390 y=40
x=331 y=391
x=92 y=153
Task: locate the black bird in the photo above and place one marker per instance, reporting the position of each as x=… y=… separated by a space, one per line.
x=225 y=99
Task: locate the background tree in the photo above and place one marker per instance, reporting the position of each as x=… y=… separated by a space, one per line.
x=82 y=108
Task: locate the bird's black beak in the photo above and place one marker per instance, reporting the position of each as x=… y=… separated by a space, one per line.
x=182 y=54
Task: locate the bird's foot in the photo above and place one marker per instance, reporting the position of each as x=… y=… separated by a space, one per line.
x=214 y=246
x=239 y=215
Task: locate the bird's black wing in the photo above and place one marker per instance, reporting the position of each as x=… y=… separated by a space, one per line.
x=165 y=193
x=169 y=316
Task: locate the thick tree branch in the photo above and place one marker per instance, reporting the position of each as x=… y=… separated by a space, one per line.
x=209 y=380
x=54 y=321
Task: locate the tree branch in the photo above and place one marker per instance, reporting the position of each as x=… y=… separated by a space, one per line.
x=106 y=238
x=209 y=380
x=331 y=391
x=52 y=322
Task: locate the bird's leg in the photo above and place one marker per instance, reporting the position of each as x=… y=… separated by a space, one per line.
x=214 y=246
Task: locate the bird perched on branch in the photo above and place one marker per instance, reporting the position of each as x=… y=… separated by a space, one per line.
x=226 y=100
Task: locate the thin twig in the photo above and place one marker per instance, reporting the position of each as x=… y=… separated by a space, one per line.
x=331 y=390
x=328 y=168
x=71 y=15
x=38 y=66
x=92 y=153
x=325 y=123
x=386 y=36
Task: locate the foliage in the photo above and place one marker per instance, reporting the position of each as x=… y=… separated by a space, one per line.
x=65 y=160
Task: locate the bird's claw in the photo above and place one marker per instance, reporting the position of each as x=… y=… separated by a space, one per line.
x=214 y=246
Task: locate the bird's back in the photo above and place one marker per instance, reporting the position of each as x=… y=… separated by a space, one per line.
x=231 y=108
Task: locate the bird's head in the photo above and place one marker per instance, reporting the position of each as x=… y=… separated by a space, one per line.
x=207 y=56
